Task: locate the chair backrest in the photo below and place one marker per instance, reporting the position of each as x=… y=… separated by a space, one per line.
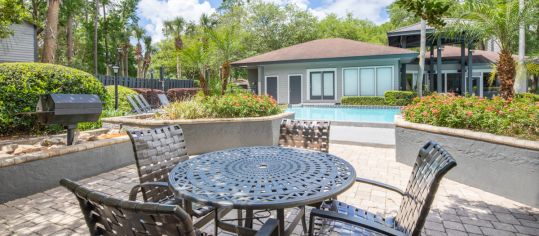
x=143 y=106
x=306 y=134
x=144 y=101
x=432 y=163
x=135 y=106
x=157 y=151
x=105 y=215
x=163 y=99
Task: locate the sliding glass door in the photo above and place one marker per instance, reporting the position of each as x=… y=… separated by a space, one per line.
x=322 y=85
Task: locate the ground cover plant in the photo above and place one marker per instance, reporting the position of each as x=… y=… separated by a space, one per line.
x=390 y=98
x=516 y=117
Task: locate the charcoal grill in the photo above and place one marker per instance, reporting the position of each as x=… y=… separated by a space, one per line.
x=68 y=110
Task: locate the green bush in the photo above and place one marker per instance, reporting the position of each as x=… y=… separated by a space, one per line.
x=518 y=117
x=362 y=100
x=124 y=107
x=22 y=83
x=399 y=98
x=391 y=98
x=227 y=106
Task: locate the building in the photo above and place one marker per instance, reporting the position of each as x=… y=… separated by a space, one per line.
x=324 y=70
x=21 y=46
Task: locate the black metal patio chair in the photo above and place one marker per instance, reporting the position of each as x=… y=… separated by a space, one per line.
x=308 y=134
x=157 y=151
x=106 y=215
x=335 y=217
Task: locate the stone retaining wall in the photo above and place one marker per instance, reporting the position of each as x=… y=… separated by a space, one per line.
x=35 y=172
x=206 y=135
x=502 y=165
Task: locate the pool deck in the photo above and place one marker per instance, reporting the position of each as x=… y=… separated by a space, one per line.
x=363 y=136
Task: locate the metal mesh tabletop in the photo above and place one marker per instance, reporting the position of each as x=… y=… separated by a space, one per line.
x=261 y=177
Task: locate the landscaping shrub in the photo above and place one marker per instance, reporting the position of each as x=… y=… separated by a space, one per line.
x=391 y=98
x=124 y=107
x=518 y=117
x=399 y=98
x=181 y=94
x=150 y=95
x=362 y=100
x=22 y=83
x=227 y=106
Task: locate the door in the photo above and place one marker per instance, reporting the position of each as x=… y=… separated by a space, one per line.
x=322 y=85
x=271 y=87
x=294 y=89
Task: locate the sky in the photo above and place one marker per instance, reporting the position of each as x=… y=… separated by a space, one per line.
x=153 y=13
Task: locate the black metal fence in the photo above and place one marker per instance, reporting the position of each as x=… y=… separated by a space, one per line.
x=129 y=82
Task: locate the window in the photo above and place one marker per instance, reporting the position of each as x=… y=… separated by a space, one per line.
x=322 y=85
x=367 y=82
x=384 y=80
x=351 y=82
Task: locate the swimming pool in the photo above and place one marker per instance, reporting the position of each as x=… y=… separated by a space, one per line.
x=346 y=114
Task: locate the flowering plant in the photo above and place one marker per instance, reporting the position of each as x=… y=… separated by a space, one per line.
x=518 y=117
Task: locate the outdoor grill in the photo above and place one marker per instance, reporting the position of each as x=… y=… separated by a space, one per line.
x=68 y=110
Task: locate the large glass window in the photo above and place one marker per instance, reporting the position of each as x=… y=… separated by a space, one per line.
x=367 y=82
x=328 y=85
x=316 y=85
x=322 y=85
x=351 y=82
x=384 y=80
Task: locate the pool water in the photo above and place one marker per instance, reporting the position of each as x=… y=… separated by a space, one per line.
x=347 y=114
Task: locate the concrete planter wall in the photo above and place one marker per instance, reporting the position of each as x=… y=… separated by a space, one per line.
x=501 y=165
x=206 y=135
x=35 y=172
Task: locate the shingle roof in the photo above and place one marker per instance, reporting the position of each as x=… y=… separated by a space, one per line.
x=479 y=56
x=325 y=49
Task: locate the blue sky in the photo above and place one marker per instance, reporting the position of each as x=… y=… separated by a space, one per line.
x=153 y=13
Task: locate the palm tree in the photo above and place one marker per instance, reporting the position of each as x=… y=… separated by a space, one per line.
x=227 y=44
x=431 y=11
x=499 y=19
x=175 y=28
x=148 y=51
x=521 y=77
x=50 y=42
x=196 y=54
x=138 y=33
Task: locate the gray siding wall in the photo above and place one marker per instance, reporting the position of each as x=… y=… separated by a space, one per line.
x=284 y=70
x=20 y=47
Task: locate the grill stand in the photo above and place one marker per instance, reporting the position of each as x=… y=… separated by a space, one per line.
x=70 y=134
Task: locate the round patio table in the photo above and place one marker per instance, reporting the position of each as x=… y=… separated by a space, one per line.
x=261 y=178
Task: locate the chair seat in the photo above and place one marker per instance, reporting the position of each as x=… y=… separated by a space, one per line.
x=198 y=209
x=332 y=227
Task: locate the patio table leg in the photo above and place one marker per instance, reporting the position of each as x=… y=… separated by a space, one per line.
x=240 y=216
x=280 y=218
x=249 y=219
x=216 y=222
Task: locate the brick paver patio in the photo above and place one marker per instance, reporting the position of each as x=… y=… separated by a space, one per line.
x=458 y=209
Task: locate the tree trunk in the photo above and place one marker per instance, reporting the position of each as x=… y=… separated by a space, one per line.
x=105 y=27
x=506 y=74
x=70 y=41
x=178 y=66
x=225 y=74
x=521 y=76
x=96 y=18
x=139 y=60
x=203 y=84
x=51 y=32
x=422 y=52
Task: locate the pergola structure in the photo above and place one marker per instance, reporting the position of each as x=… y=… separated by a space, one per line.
x=410 y=37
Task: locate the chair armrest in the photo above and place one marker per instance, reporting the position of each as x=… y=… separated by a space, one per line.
x=138 y=187
x=269 y=228
x=381 y=185
x=353 y=221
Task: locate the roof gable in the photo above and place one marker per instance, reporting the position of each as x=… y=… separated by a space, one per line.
x=324 y=49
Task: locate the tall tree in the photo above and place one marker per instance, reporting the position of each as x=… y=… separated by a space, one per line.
x=197 y=55
x=138 y=33
x=226 y=41
x=11 y=12
x=499 y=19
x=96 y=21
x=51 y=32
x=521 y=77
x=175 y=28
x=148 y=51
x=431 y=11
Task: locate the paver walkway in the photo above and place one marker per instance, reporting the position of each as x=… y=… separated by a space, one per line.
x=457 y=210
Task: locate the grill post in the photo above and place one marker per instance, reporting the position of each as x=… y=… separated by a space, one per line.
x=70 y=134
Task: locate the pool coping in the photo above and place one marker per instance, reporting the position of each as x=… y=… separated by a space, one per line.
x=346 y=106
